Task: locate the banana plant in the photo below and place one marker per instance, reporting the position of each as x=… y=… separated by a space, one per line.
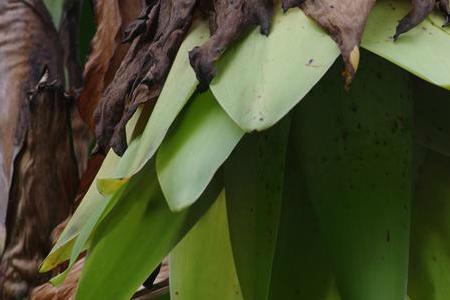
x=262 y=174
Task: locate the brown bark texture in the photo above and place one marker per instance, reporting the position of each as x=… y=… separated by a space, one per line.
x=38 y=170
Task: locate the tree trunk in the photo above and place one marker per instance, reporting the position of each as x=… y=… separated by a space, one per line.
x=39 y=171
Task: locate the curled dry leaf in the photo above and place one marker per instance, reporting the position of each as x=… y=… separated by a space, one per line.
x=69 y=39
x=229 y=19
x=345 y=21
x=112 y=18
x=420 y=10
x=144 y=69
x=44 y=184
x=38 y=174
x=22 y=60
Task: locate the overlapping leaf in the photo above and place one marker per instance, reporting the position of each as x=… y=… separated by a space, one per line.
x=432 y=124
x=190 y=156
x=344 y=20
x=423 y=51
x=301 y=267
x=429 y=274
x=355 y=157
x=136 y=235
x=262 y=78
x=112 y=166
x=213 y=276
x=254 y=177
x=179 y=86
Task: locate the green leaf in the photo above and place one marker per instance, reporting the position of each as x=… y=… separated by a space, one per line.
x=301 y=267
x=63 y=247
x=83 y=237
x=263 y=78
x=201 y=266
x=179 y=86
x=113 y=166
x=178 y=89
x=254 y=187
x=429 y=273
x=432 y=124
x=136 y=235
x=423 y=51
x=355 y=158
x=191 y=154
x=108 y=187
x=55 y=7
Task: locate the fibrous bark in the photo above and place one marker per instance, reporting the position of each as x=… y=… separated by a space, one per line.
x=45 y=182
x=25 y=27
x=38 y=172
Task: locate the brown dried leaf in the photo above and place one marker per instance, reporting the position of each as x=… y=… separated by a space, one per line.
x=25 y=27
x=69 y=39
x=44 y=185
x=144 y=69
x=420 y=10
x=345 y=21
x=112 y=18
x=229 y=19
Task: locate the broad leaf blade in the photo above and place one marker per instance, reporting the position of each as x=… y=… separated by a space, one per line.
x=136 y=235
x=429 y=273
x=301 y=267
x=254 y=187
x=423 y=51
x=169 y=105
x=202 y=266
x=192 y=153
x=262 y=78
x=355 y=155
x=432 y=124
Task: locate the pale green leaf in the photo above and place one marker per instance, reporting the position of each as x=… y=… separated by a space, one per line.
x=113 y=166
x=136 y=235
x=178 y=88
x=202 y=266
x=254 y=177
x=197 y=146
x=355 y=160
x=262 y=78
x=423 y=51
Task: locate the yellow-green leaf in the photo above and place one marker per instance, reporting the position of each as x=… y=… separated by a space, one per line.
x=262 y=78
x=202 y=266
x=136 y=235
x=197 y=146
x=422 y=51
